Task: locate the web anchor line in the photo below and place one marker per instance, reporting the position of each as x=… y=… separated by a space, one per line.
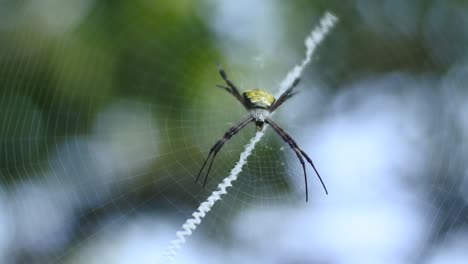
x=327 y=22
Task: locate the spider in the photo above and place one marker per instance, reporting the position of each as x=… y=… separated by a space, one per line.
x=260 y=105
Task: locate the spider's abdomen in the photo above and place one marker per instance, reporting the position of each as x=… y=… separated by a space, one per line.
x=257 y=98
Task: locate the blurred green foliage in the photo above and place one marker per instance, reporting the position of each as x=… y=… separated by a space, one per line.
x=118 y=50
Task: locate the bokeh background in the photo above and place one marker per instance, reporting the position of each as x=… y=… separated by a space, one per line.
x=108 y=109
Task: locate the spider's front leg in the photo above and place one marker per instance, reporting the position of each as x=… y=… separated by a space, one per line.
x=286 y=95
x=232 y=89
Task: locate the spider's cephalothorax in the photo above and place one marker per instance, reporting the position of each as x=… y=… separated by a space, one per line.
x=259 y=116
x=260 y=104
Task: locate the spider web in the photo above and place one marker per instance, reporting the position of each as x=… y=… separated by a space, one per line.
x=108 y=110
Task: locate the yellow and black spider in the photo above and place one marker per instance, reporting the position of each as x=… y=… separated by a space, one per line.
x=260 y=104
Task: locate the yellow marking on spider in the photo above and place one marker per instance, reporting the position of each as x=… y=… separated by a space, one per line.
x=257 y=98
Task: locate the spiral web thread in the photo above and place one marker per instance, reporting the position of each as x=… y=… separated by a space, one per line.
x=311 y=42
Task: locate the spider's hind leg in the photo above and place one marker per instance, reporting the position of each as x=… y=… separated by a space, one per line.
x=219 y=144
x=299 y=152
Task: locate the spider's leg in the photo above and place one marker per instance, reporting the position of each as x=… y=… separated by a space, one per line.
x=287 y=136
x=315 y=169
x=286 y=95
x=216 y=148
x=298 y=154
x=234 y=91
x=231 y=132
x=211 y=164
x=227 y=89
x=304 y=169
x=288 y=139
x=204 y=163
x=219 y=144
